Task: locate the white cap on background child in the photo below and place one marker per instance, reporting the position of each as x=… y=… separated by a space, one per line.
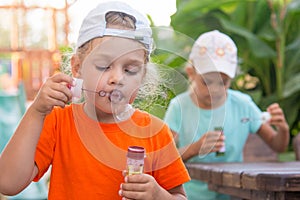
x=94 y=25
x=214 y=52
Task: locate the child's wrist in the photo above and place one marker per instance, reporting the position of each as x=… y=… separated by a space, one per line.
x=194 y=149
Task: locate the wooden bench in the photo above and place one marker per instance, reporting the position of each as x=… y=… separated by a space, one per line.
x=255 y=181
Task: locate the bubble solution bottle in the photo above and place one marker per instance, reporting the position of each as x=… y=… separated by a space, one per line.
x=221 y=152
x=135 y=160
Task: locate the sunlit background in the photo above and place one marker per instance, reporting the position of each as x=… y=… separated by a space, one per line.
x=34 y=31
x=159 y=11
x=37 y=22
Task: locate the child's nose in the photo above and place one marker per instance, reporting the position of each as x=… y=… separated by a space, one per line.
x=116 y=76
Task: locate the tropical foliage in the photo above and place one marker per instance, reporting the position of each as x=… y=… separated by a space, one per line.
x=268 y=38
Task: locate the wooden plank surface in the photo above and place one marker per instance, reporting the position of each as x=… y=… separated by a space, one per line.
x=273 y=180
x=267 y=176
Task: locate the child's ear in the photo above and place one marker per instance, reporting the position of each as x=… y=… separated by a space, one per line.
x=190 y=71
x=75 y=66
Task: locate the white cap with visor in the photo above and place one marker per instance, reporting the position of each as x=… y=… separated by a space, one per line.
x=214 y=52
x=94 y=25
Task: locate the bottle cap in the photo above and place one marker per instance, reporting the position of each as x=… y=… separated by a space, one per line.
x=265 y=117
x=218 y=128
x=136 y=152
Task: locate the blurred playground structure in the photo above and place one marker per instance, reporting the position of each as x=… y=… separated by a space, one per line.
x=31 y=33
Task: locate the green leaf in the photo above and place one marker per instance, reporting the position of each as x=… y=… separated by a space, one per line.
x=292 y=62
x=258 y=47
x=292 y=86
x=247 y=22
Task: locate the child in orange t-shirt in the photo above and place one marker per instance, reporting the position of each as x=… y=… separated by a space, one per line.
x=86 y=143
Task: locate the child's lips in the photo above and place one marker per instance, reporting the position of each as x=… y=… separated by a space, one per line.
x=115 y=96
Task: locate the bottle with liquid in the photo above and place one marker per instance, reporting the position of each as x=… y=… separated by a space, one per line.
x=221 y=152
x=135 y=160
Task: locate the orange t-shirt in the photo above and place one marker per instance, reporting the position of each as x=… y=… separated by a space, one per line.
x=88 y=157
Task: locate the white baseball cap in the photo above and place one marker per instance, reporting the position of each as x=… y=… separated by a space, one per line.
x=94 y=25
x=214 y=52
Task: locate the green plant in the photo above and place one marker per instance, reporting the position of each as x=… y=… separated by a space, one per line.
x=268 y=38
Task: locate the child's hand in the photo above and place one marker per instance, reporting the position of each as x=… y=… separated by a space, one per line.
x=211 y=141
x=141 y=186
x=278 y=118
x=54 y=92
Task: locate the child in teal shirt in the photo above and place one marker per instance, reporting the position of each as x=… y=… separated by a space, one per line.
x=194 y=115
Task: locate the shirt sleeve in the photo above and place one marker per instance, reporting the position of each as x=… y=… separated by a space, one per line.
x=172 y=115
x=169 y=170
x=45 y=148
x=255 y=113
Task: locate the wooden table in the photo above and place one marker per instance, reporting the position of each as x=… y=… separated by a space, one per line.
x=262 y=180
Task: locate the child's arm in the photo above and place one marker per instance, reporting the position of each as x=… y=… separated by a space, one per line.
x=278 y=138
x=210 y=142
x=17 y=166
x=144 y=186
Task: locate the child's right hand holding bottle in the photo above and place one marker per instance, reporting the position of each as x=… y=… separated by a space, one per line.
x=212 y=141
x=144 y=186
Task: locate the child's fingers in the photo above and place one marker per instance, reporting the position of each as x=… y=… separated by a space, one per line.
x=275 y=109
x=137 y=178
x=54 y=92
x=59 y=96
x=61 y=92
x=213 y=137
x=214 y=140
x=136 y=186
x=130 y=190
x=124 y=173
x=60 y=77
x=130 y=195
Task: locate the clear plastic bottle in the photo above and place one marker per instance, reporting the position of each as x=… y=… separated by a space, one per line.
x=221 y=152
x=135 y=160
x=76 y=90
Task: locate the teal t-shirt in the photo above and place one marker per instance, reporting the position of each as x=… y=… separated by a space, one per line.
x=191 y=122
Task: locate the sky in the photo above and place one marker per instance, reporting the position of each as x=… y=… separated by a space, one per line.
x=159 y=10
